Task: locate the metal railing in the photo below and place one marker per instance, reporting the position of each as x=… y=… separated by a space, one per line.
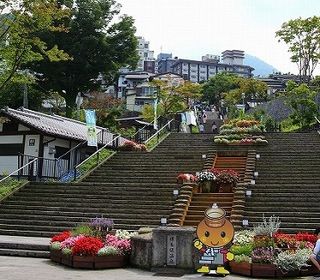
x=29 y=166
x=171 y=125
x=115 y=142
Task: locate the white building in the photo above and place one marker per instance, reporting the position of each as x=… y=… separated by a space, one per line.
x=144 y=53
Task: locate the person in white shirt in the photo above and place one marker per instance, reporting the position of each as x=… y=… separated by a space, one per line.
x=315 y=256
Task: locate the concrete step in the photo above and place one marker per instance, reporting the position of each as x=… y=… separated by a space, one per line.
x=25 y=253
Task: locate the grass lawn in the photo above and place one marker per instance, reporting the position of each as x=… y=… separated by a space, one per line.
x=9 y=185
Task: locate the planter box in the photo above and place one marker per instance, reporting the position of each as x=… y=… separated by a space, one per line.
x=83 y=262
x=308 y=271
x=55 y=255
x=242 y=268
x=263 y=270
x=280 y=273
x=109 y=261
x=66 y=260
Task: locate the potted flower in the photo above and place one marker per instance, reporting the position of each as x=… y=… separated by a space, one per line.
x=226 y=179
x=132 y=146
x=205 y=179
x=185 y=178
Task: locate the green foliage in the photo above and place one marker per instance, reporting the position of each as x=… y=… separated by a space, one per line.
x=302 y=101
x=288 y=126
x=98 y=41
x=9 y=185
x=288 y=261
x=156 y=140
x=245 y=249
x=268 y=226
x=82 y=230
x=242 y=258
x=94 y=161
x=12 y=96
x=55 y=245
x=109 y=251
x=218 y=85
x=303 y=39
x=66 y=251
x=251 y=88
x=20 y=24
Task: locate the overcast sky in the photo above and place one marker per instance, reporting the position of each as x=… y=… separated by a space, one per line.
x=192 y=28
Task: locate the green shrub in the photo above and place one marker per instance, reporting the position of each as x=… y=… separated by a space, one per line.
x=242 y=249
x=82 y=230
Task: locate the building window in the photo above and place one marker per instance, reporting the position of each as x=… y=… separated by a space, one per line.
x=11 y=149
x=146 y=46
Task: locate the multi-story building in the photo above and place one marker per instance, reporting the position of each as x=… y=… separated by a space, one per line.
x=144 y=53
x=165 y=62
x=210 y=65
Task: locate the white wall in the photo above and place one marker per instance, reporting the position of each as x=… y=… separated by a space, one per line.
x=8 y=164
x=12 y=139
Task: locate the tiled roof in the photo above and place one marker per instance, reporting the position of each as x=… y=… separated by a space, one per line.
x=49 y=124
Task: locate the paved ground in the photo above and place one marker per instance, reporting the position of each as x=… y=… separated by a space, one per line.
x=14 y=268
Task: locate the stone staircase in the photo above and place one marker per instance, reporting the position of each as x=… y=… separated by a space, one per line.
x=199 y=202
x=288 y=184
x=135 y=189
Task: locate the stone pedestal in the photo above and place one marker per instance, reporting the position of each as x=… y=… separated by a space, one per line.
x=141 y=254
x=173 y=247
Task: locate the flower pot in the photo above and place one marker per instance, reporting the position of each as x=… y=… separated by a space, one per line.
x=226 y=188
x=241 y=268
x=308 y=271
x=206 y=186
x=263 y=270
x=83 y=261
x=55 y=255
x=66 y=260
x=109 y=261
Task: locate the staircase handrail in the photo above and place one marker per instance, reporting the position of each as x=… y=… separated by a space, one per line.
x=74 y=148
x=95 y=153
x=143 y=128
x=158 y=131
x=16 y=171
x=317 y=119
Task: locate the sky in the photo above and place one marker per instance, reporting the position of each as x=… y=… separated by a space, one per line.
x=192 y=28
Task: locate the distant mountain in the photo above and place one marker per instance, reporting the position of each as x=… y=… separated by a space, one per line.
x=261 y=67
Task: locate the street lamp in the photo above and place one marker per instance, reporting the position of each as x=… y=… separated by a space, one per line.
x=243 y=95
x=155 y=124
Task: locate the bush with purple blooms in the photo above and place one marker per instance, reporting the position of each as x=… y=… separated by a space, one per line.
x=262 y=255
x=101 y=226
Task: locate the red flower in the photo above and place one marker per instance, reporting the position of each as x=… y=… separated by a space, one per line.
x=61 y=236
x=305 y=236
x=87 y=246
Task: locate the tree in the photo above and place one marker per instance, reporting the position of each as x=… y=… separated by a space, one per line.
x=251 y=88
x=171 y=98
x=20 y=21
x=302 y=101
x=217 y=85
x=97 y=44
x=303 y=38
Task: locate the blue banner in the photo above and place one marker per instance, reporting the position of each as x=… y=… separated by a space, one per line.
x=91 y=125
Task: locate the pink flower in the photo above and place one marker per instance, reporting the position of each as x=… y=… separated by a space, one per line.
x=69 y=242
x=124 y=245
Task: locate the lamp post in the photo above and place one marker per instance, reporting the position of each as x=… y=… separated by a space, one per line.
x=243 y=95
x=155 y=124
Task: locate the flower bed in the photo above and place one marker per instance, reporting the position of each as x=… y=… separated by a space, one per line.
x=241 y=132
x=265 y=252
x=91 y=246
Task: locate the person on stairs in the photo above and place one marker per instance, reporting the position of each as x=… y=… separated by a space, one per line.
x=315 y=256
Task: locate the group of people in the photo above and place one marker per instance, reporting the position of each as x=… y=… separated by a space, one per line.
x=202 y=119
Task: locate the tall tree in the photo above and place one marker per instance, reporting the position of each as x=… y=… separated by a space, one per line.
x=97 y=43
x=20 y=23
x=303 y=38
x=302 y=101
x=217 y=85
x=246 y=89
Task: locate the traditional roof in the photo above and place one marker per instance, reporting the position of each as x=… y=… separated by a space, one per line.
x=49 y=124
